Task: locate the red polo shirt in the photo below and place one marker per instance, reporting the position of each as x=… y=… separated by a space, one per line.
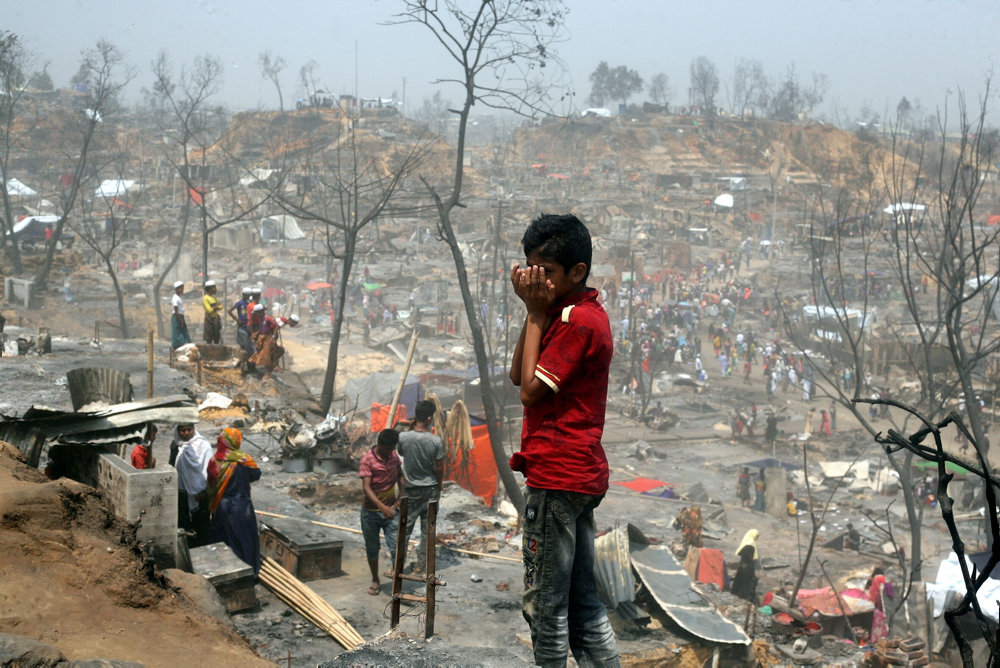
x=561 y=436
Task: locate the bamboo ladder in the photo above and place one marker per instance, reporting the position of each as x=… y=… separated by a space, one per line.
x=429 y=598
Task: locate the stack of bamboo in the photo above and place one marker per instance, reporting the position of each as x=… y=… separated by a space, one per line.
x=308 y=603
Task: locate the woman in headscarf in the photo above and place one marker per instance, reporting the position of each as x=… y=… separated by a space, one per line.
x=745 y=582
x=878 y=588
x=230 y=472
x=689 y=521
x=190 y=458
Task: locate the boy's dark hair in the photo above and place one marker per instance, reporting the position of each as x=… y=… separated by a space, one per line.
x=388 y=437
x=425 y=410
x=562 y=238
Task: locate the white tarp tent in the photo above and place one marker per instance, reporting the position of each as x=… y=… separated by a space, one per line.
x=29 y=221
x=256 y=175
x=949 y=578
x=725 y=200
x=858 y=469
x=115 y=188
x=901 y=207
x=17 y=189
x=281 y=226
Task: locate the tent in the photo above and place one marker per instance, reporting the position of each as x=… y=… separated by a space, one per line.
x=379 y=387
x=28 y=223
x=17 y=189
x=900 y=207
x=950 y=579
x=280 y=227
x=724 y=200
x=951 y=467
x=115 y=188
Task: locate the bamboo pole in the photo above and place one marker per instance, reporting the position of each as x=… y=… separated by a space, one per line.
x=413 y=541
x=308 y=603
x=391 y=420
x=429 y=568
x=149 y=361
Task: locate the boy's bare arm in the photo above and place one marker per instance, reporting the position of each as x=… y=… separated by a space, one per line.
x=515 y=366
x=532 y=388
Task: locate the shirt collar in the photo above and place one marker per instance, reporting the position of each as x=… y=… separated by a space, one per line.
x=574 y=299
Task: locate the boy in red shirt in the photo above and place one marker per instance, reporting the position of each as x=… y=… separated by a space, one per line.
x=561 y=364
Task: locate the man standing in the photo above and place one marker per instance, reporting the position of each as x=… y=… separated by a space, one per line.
x=178 y=325
x=423 y=468
x=213 y=319
x=561 y=363
x=238 y=312
x=380 y=475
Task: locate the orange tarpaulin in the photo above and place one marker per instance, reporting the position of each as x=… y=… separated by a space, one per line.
x=642 y=484
x=477 y=470
x=712 y=567
x=380 y=414
x=195 y=195
x=993 y=219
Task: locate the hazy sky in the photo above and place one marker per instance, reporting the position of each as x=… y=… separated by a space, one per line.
x=873 y=52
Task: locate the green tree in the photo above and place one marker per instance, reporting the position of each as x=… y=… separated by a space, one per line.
x=599 y=84
x=41 y=80
x=613 y=83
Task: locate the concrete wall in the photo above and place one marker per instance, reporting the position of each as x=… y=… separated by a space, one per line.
x=145 y=496
x=18 y=291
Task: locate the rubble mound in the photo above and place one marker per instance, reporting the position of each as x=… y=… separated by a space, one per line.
x=74 y=579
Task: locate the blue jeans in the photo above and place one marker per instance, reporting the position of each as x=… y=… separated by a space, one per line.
x=560 y=601
x=373 y=522
x=419 y=497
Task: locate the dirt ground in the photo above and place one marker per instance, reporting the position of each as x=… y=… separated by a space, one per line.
x=72 y=578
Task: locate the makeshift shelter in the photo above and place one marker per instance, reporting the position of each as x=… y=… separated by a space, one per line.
x=280 y=227
x=115 y=188
x=378 y=388
x=238 y=236
x=17 y=189
x=950 y=581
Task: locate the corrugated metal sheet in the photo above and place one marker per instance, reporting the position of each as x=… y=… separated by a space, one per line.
x=30 y=431
x=671 y=588
x=624 y=553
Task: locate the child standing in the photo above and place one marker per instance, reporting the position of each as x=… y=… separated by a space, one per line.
x=561 y=364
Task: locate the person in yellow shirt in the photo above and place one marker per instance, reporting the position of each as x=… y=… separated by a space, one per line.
x=213 y=317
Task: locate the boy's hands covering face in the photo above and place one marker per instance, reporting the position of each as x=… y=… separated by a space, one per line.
x=533 y=288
